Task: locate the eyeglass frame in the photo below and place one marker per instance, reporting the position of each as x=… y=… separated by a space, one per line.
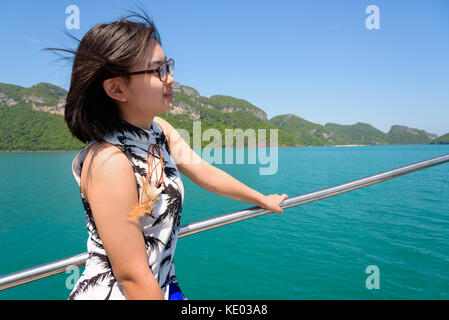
x=155 y=70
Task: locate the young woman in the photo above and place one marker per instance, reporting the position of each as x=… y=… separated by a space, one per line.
x=128 y=174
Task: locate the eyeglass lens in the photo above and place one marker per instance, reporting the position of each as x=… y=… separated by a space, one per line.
x=163 y=70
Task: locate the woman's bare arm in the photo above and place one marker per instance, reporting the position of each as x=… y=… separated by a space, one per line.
x=211 y=178
x=110 y=186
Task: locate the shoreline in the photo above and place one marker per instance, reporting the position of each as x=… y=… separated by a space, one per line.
x=235 y=147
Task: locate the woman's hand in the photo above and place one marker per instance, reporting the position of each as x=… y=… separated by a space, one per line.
x=272 y=202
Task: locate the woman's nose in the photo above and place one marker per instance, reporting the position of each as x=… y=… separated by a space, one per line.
x=169 y=79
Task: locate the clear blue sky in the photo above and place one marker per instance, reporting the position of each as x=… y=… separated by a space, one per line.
x=315 y=59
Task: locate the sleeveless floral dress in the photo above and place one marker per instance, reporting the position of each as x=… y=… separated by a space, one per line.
x=160 y=230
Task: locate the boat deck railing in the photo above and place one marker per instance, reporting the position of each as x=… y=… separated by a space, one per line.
x=59 y=266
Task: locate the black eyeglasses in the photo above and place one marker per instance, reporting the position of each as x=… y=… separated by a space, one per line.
x=162 y=70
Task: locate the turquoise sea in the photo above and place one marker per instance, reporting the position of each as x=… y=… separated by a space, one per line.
x=318 y=250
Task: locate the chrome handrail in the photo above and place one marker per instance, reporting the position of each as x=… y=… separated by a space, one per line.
x=45 y=270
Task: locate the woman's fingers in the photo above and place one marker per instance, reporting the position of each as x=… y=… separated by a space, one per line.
x=281 y=199
x=274 y=201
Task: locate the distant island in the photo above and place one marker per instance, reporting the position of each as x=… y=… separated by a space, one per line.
x=32 y=119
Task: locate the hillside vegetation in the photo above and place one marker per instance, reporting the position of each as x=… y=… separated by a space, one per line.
x=32 y=119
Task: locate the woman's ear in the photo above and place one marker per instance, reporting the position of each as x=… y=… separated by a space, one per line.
x=114 y=89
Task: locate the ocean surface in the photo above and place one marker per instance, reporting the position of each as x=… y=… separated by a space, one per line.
x=319 y=250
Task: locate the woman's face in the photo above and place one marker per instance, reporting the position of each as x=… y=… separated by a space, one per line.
x=146 y=93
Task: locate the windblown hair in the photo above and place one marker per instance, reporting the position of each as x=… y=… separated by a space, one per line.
x=105 y=51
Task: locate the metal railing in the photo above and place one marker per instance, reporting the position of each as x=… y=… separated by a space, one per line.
x=59 y=266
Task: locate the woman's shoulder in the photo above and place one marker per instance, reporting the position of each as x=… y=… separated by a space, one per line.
x=105 y=153
x=105 y=162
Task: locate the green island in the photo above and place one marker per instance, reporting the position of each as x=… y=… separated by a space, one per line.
x=31 y=119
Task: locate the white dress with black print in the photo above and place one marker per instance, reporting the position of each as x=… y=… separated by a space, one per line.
x=160 y=230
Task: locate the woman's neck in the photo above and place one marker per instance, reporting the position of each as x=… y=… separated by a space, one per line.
x=143 y=123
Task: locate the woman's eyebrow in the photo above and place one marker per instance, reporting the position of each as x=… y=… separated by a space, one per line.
x=159 y=61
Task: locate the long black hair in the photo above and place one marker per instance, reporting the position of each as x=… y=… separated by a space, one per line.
x=105 y=51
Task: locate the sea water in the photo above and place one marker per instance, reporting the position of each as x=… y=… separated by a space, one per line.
x=326 y=249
